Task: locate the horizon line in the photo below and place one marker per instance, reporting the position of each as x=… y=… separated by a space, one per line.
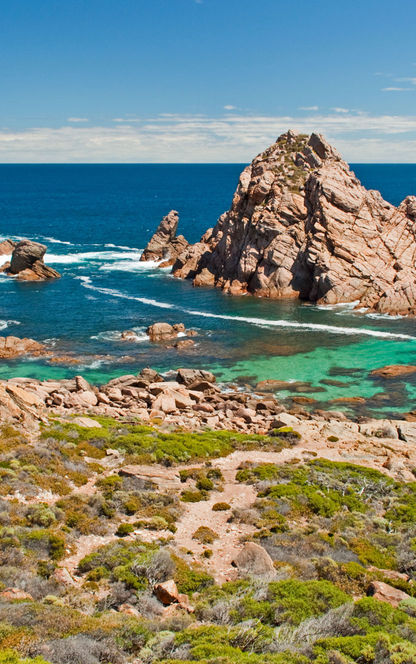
x=178 y=163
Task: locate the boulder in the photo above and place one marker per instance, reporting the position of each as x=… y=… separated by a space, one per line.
x=161 y=332
x=386 y=593
x=253 y=560
x=38 y=272
x=165 y=403
x=150 y=375
x=394 y=371
x=167 y=592
x=82 y=384
x=7 y=247
x=11 y=594
x=85 y=398
x=62 y=575
x=301 y=225
x=190 y=376
x=284 y=420
x=129 y=610
x=25 y=254
x=87 y=423
x=27 y=262
x=11 y=347
x=379 y=429
x=24 y=398
x=164 y=244
x=407 y=432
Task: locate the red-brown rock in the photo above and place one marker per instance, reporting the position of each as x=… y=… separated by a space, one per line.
x=11 y=347
x=394 y=370
x=385 y=593
x=164 y=244
x=11 y=594
x=301 y=225
x=167 y=592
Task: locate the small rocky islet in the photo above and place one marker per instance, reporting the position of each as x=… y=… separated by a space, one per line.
x=162 y=519
x=301 y=225
x=26 y=262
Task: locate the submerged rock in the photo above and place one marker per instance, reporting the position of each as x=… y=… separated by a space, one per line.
x=394 y=371
x=301 y=225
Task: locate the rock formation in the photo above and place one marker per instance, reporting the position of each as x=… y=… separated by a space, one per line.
x=165 y=244
x=166 y=332
x=301 y=225
x=12 y=347
x=27 y=261
x=7 y=247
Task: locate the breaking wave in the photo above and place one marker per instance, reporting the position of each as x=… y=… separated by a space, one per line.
x=259 y=322
x=6 y=323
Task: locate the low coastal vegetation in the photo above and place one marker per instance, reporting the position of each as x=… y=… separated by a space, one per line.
x=146 y=444
x=90 y=571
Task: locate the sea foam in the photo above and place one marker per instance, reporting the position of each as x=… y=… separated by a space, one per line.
x=6 y=323
x=259 y=322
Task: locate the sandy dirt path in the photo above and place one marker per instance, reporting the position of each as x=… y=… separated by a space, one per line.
x=231 y=536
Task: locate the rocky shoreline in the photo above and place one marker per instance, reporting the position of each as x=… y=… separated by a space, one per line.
x=190 y=401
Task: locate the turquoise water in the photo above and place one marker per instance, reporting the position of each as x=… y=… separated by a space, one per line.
x=95 y=220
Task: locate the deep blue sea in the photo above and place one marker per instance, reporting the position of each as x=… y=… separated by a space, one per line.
x=96 y=219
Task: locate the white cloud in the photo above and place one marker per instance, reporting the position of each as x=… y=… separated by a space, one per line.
x=340 y=109
x=195 y=138
x=127 y=119
x=394 y=88
x=407 y=79
x=77 y=119
x=230 y=107
x=308 y=108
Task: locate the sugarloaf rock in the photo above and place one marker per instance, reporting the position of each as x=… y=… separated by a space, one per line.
x=301 y=225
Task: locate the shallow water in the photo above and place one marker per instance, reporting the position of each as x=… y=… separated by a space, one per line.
x=95 y=220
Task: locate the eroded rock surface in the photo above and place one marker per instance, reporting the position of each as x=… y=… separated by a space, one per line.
x=27 y=262
x=12 y=347
x=165 y=244
x=301 y=225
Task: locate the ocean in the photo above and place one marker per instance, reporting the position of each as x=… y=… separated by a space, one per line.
x=96 y=219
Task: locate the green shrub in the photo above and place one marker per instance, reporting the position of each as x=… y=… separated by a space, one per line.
x=221 y=507
x=11 y=657
x=204 y=484
x=193 y=496
x=44 y=540
x=124 y=529
x=205 y=535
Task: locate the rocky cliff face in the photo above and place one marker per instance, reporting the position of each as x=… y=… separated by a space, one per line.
x=301 y=225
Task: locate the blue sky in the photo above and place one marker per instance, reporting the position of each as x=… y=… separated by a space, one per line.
x=204 y=80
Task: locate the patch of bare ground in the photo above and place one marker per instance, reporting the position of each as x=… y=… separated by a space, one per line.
x=393 y=457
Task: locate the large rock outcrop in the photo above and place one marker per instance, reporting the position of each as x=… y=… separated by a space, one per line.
x=27 y=262
x=12 y=347
x=165 y=244
x=301 y=225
